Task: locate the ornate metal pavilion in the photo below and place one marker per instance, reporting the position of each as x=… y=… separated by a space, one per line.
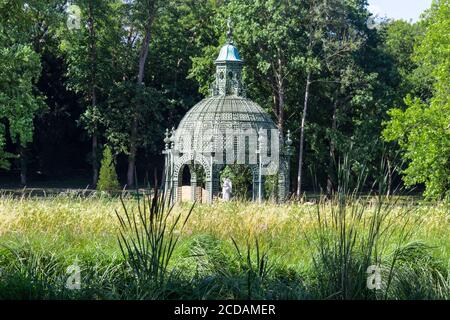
x=226 y=128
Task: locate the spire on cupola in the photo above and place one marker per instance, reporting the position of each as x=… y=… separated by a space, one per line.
x=228 y=68
x=230 y=31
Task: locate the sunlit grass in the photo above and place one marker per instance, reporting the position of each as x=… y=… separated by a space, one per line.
x=91 y=222
x=85 y=229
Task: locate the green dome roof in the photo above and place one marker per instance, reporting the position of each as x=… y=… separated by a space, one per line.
x=229 y=53
x=226 y=111
x=217 y=114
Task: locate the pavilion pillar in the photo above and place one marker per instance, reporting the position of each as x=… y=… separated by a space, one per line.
x=176 y=191
x=193 y=188
x=254 y=189
x=261 y=188
x=282 y=186
x=209 y=190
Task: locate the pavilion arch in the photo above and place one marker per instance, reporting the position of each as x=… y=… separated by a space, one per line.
x=190 y=161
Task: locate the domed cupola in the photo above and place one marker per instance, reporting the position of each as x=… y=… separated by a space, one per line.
x=228 y=69
x=222 y=129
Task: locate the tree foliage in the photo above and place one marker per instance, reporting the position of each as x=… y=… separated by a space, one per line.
x=20 y=69
x=423 y=128
x=107 y=180
x=241 y=178
x=134 y=68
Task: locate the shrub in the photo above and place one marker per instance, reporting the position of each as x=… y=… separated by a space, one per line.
x=271 y=187
x=241 y=177
x=108 y=177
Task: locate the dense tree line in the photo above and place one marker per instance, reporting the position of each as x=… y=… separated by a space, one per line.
x=341 y=83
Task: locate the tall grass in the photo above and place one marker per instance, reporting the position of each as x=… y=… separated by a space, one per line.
x=418 y=275
x=256 y=269
x=147 y=239
x=148 y=250
x=352 y=235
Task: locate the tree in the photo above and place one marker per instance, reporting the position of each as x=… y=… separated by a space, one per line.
x=20 y=69
x=137 y=114
x=269 y=33
x=273 y=38
x=90 y=62
x=135 y=67
x=423 y=130
x=108 y=177
x=206 y=28
x=268 y=36
x=145 y=15
x=350 y=92
x=329 y=37
x=399 y=38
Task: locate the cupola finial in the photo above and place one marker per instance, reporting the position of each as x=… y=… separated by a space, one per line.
x=230 y=31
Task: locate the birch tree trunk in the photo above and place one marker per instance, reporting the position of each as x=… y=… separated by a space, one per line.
x=134 y=126
x=281 y=94
x=302 y=136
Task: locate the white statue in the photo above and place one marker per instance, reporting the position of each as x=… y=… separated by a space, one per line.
x=227 y=189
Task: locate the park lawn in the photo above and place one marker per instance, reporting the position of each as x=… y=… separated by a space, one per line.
x=84 y=230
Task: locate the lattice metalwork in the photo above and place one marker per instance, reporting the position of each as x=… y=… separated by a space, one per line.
x=225 y=126
x=214 y=116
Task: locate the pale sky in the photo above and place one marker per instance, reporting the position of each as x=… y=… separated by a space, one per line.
x=399 y=9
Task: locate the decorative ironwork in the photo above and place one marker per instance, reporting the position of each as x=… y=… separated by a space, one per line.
x=226 y=122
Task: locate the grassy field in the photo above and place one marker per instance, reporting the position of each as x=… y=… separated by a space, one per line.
x=225 y=251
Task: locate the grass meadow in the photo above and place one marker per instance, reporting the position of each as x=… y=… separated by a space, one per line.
x=139 y=249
